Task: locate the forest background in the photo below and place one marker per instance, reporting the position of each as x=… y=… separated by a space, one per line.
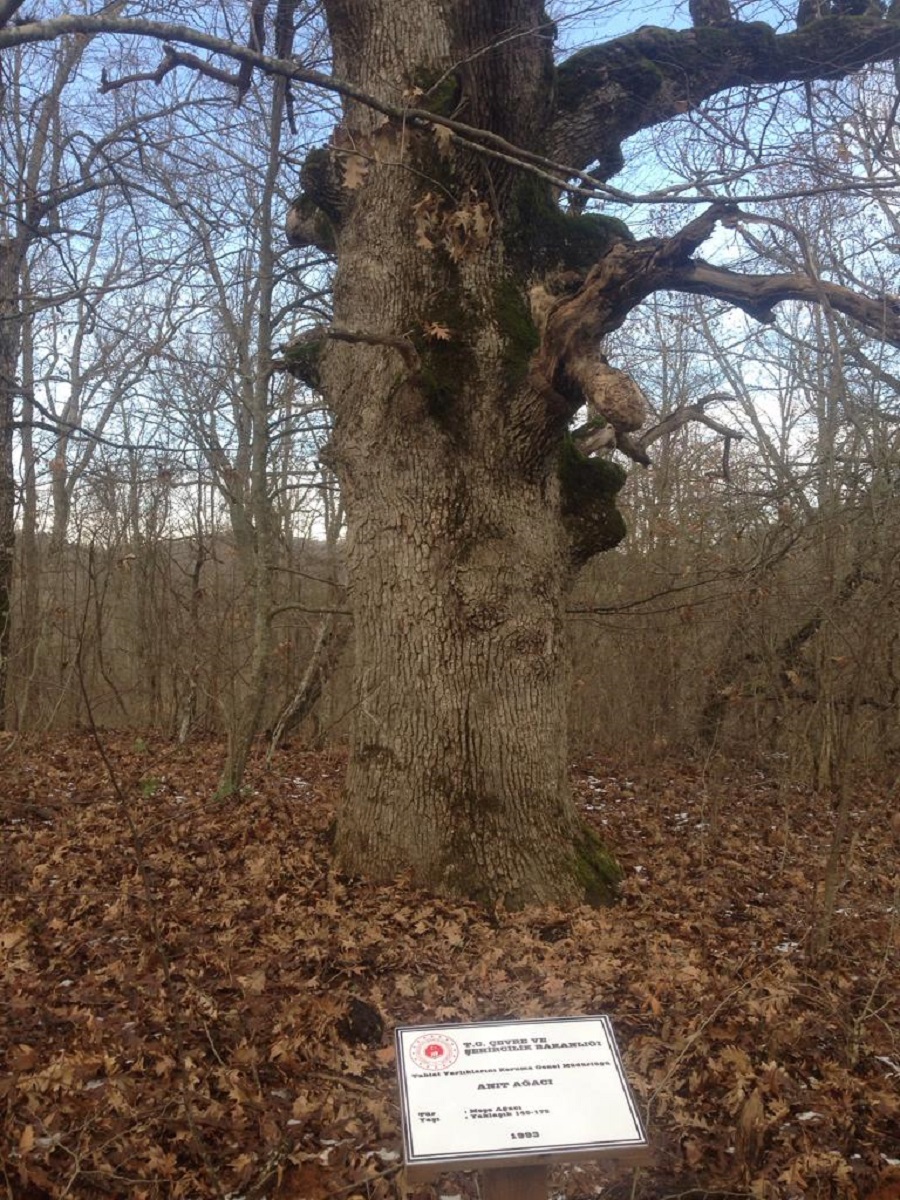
x=752 y=607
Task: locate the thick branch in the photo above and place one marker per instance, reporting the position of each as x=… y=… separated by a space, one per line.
x=609 y=92
x=686 y=413
x=568 y=368
x=758 y=294
x=403 y=346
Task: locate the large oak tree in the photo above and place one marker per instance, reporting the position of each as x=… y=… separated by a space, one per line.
x=470 y=308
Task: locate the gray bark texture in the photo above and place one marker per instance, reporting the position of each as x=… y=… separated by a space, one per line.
x=10 y=343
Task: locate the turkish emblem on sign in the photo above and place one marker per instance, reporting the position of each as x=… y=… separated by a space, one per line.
x=434 y=1052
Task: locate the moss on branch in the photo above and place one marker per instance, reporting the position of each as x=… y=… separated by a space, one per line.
x=609 y=92
x=540 y=237
x=302 y=357
x=589 y=489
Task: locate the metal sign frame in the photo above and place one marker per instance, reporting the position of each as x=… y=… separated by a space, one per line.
x=501 y=1094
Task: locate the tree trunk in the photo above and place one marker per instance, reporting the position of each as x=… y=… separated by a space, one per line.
x=448 y=456
x=458 y=765
x=33 y=615
x=10 y=340
x=254 y=534
x=324 y=658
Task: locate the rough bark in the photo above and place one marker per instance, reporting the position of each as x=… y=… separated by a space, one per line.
x=458 y=557
x=468 y=317
x=611 y=91
x=10 y=341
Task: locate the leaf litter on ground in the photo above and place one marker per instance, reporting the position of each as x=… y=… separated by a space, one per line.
x=201 y=1006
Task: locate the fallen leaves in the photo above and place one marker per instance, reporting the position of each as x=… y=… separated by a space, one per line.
x=231 y=1031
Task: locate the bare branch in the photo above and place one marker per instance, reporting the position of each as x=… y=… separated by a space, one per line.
x=611 y=91
x=683 y=415
x=568 y=368
x=757 y=295
x=403 y=346
x=876 y=370
x=597 y=96
x=690 y=412
x=168 y=63
x=683 y=244
x=633 y=448
x=590 y=440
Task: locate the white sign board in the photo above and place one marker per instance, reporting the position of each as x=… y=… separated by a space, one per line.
x=528 y=1091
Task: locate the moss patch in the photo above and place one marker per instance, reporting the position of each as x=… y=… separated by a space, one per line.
x=440 y=91
x=645 y=78
x=320 y=180
x=596 y=869
x=519 y=332
x=447 y=364
x=539 y=237
x=589 y=489
x=641 y=63
x=302 y=358
x=308 y=225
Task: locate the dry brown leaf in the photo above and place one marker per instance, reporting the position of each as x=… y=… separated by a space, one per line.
x=692 y=1151
x=356 y=170
x=88 y=1027
x=749 y=1133
x=439 y=333
x=255 y=983
x=444 y=138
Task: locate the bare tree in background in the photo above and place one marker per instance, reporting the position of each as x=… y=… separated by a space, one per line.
x=55 y=157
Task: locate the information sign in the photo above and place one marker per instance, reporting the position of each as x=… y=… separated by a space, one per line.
x=513 y=1092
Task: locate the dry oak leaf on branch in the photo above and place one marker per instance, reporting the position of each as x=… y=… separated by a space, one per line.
x=437 y=332
x=460 y=231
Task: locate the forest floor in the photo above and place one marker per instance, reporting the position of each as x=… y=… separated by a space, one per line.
x=194 y=1004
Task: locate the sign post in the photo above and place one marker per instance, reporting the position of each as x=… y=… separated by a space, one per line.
x=510 y=1097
